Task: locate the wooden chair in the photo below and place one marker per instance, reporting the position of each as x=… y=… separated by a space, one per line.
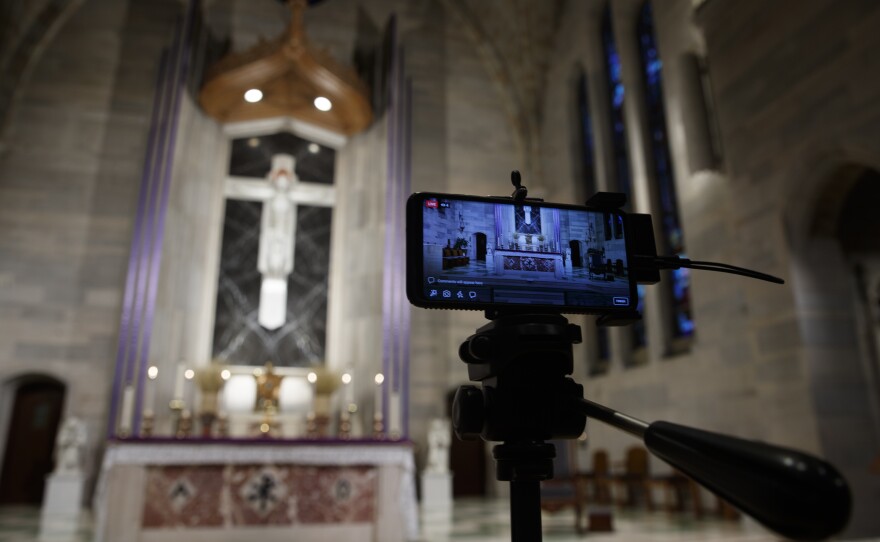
x=677 y=489
x=599 y=478
x=634 y=481
x=568 y=488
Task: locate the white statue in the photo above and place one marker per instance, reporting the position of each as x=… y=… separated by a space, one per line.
x=439 y=439
x=275 y=258
x=281 y=193
x=70 y=446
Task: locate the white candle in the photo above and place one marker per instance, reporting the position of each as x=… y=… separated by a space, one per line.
x=127 y=410
x=150 y=384
x=178 y=382
x=394 y=422
x=379 y=379
x=349 y=389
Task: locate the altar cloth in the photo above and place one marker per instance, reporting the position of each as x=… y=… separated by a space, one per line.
x=168 y=491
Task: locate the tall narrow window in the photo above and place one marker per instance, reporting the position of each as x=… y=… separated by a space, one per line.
x=618 y=139
x=616 y=92
x=652 y=68
x=588 y=182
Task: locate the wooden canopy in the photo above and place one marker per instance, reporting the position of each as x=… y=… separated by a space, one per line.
x=290 y=74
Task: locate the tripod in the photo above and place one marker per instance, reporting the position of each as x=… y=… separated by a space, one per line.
x=523 y=362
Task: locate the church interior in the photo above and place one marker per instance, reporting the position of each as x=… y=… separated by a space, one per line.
x=204 y=325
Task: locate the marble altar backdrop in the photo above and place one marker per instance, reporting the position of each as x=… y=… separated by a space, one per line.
x=222 y=491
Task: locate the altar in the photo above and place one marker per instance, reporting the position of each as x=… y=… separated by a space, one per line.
x=529 y=264
x=168 y=490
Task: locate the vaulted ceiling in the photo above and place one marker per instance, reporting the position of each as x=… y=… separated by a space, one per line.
x=515 y=40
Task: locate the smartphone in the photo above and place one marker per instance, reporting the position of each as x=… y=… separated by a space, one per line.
x=479 y=253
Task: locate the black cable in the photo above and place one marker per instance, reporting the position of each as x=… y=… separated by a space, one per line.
x=676 y=262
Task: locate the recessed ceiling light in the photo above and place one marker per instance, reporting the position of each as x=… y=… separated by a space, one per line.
x=323 y=104
x=253 y=96
x=314 y=148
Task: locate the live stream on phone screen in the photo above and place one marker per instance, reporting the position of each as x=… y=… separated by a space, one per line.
x=487 y=253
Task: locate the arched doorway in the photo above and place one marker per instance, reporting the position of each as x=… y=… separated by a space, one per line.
x=30 y=441
x=833 y=234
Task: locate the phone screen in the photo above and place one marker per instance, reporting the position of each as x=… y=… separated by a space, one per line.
x=467 y=252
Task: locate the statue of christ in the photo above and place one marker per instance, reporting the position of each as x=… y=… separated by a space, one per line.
x=277 y=228
x=280 y=196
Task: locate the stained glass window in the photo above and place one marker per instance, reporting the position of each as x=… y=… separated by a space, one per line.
x=616 y=92
x=618 y=136
x=652 y=68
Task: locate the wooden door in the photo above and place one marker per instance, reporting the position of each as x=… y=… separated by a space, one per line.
x=30 y=443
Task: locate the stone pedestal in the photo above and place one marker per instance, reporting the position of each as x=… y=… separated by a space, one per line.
x=436 y=491
x=59 y=518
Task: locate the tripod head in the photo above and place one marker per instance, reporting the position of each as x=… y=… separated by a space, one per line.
x=523 y=357
x=524 y=361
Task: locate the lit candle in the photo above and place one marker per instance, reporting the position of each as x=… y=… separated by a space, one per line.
x=152 y=374
x=349 y=389
x=188 y=374
x=380 y=378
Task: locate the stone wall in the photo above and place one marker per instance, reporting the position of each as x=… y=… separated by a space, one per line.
x=775 y=363
x=69 y=174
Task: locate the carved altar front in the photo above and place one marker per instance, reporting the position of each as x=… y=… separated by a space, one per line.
x=274 y=490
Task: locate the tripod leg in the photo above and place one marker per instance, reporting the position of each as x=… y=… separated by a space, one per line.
x=525 y=510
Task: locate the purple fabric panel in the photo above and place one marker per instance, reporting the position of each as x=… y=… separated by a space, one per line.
x=405 y=307
x=125 y=324
x=397 y=264
x=389 y=208
x=182 y=65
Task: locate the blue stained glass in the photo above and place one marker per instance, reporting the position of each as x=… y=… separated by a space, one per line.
x=618 y=138
x=652 y=68
x=616 y=93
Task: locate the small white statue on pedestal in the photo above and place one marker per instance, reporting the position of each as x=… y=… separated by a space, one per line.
x=59 y=517
x=69 y=447
x=438 y=446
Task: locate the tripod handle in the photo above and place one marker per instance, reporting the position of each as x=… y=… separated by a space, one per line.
x=793 y=493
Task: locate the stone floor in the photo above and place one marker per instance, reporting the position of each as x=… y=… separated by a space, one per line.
x=486 y=521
